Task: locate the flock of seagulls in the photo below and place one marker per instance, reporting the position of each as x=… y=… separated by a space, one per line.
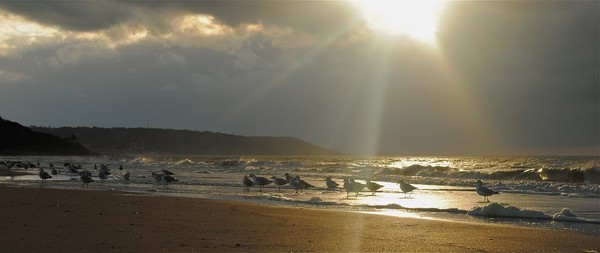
x=293 y=182
x=165 y=177
x=350 y=185
x=297 y=184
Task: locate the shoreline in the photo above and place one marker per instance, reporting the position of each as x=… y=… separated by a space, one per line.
x=61 y=220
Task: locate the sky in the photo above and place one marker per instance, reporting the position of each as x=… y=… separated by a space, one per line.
x=364 y=78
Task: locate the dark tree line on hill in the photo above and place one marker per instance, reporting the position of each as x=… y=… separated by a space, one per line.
x=16 y=139
x=120 y=141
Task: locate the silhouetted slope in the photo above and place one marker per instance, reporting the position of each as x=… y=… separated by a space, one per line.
x=183 y=142
x=16 y=139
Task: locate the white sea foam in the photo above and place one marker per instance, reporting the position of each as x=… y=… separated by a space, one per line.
x=567 y=215
x=498 y=210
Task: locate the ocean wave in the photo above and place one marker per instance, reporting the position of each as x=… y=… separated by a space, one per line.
x=577 y=175
x=590 y=175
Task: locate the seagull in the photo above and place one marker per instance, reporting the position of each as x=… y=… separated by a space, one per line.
x=157 y=177
x=484 y=191
x=279 y=182
x=304 y=183
x=54 y=172
x=247 y=183
x=373 y=187
x=72 y=169
x=168 y=179
x=351 y=186
x=330 y=183
x=44 y=175
x=86 y=178
x=104 y=172
x=260 y=181
x=406 y=187
x=296 y=184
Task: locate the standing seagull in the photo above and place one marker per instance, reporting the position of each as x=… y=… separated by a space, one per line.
x=331 y=185
x=247 y=183
x=373 y=187
x=103 y=174
x=296 y=184
x=86 y=178
x=54 y=173
x=305 y=185
x=406 y=187
x=260 y=181
x=279 y=182
x=44 y=175
x=484 y=191
x=157 y=177
x=351 y=186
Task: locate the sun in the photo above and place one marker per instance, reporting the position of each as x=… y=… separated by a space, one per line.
x=417 y=19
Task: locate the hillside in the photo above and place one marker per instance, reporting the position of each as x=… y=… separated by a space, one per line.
x=16 y=139
x=182 y=142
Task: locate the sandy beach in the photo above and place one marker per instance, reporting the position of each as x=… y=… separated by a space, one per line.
x=53 y=220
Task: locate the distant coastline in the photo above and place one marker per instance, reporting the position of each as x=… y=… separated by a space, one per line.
x=152 y=141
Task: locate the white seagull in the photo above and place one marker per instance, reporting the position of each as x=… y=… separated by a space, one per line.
x=296 y=184
x=406 y=187
x=157 y=177
x=351 y=186
x=331 y=185
x=86 y=178
x=373 y=187
x=44 y=175
x=484 y=191
x=260 y=181
x=247 y=183
x=54 y=173
x=279 y=182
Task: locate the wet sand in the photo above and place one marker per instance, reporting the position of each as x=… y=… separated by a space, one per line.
x=52 y=220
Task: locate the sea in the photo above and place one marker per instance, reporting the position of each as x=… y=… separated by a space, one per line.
x=549 y=191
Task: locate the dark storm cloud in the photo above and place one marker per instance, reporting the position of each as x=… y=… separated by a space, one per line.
x=305 y=16
x=71 y=15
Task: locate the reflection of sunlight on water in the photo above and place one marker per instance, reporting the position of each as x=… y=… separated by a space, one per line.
x=425 y=201
x=398 y=213
x=415 y=201
x=422 y=161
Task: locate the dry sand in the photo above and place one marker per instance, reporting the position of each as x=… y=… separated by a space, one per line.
x=51 y=220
